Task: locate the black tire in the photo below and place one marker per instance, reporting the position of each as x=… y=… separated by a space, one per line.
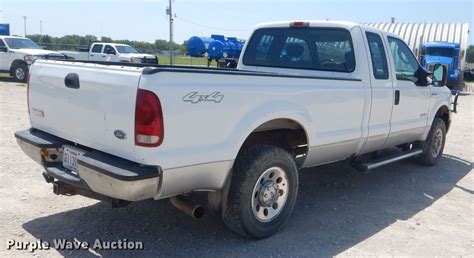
x=433 y=146
x=20 y=72
x=250 y=166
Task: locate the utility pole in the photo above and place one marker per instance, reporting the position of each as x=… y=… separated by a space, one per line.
x=41 y=28
x=169 y=11
x=24 y=24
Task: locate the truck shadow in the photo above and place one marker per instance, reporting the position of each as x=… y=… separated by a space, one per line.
x=337 y=208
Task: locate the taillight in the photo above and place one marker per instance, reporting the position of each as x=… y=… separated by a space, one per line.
x=149 y=129
x=28 y=92
x=299 y=24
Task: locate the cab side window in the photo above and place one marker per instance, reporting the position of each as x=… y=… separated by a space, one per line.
x=2 y=44
x=377 y=53
x=97 y=48
x=406 y=65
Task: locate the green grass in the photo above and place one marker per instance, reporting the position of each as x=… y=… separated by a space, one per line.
x=185 y=60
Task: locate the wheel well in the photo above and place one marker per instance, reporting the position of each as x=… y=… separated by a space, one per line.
x=284 y=133
x=443 y=113
x=16 y=63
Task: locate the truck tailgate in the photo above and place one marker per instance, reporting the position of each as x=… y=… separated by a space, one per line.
x=103 y=105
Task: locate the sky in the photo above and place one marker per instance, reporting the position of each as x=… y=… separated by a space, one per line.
x=146 y=20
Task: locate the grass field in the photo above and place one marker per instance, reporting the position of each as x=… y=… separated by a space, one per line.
x=185 y=60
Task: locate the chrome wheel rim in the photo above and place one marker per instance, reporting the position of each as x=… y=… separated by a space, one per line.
x=437 y=143
x=269 y=194
x=20 y=74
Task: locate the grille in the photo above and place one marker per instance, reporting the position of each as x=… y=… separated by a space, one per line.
x=150 y=60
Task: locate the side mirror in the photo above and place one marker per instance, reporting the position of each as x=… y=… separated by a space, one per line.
x=110 y=52
x=440 y=75
x=4 y=49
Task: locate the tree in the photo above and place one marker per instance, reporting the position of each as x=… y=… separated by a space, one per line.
x=470 y=54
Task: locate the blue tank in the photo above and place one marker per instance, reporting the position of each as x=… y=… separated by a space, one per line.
x=224 y=48
x=197 y=46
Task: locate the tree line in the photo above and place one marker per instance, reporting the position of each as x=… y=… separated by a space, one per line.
x=75 y=42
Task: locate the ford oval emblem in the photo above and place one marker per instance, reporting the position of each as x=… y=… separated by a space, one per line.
x=120 y=134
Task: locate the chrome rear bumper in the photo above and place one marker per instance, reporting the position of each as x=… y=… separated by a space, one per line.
x=98 y=172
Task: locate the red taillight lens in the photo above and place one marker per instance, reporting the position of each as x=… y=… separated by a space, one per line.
x=149 y=129
x=299 y=24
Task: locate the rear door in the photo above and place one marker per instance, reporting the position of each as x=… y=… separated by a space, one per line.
x=89 y=114
x=411 y=96
x=96 y=52
x=382 y=91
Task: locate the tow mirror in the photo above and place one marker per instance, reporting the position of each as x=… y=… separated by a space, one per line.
x=440 y=75
x=4 y=49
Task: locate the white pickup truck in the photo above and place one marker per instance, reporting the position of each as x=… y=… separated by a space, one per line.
x=111 y=52
x=17 y=54
x=305 y=94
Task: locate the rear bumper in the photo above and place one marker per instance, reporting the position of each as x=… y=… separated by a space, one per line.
x=98 y=172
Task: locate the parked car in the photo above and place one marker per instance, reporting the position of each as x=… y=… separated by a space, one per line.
x=133 y=132
x=112 y=52
x=17 y=54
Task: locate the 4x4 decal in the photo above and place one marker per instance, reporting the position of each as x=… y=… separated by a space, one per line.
x=194 y=97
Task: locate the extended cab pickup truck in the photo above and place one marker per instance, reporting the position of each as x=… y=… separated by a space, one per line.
x=111 y=52
x=304 y=94
x=17 y=54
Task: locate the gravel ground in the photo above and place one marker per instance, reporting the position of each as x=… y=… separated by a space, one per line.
x=401 y=209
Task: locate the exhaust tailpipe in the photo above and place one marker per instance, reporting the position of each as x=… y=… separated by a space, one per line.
x=186 y=206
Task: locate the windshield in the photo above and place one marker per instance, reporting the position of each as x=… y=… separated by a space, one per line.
x=126 y=49
x=439 y=51
x=17 y=43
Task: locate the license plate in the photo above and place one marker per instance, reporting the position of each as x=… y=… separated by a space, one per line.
x=70 y=155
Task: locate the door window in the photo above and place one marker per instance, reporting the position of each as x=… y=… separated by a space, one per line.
x=406 y=65
x=97 y=48
x=377 y=53
x=109 y=49
x=2 y=44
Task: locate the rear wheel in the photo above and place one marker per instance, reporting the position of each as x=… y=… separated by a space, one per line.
x=434 y=145
x=20 y=72
x=263 y=191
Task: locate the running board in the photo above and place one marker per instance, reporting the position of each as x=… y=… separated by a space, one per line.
x=364 y=167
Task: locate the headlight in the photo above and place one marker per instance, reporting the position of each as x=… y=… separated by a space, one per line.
x=135 y=60
x=30 y=59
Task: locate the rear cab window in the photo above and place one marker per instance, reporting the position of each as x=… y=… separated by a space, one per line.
x=97 y=48
x=378 y=56
x=323 y=49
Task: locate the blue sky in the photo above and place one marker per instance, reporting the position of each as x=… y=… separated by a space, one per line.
x=146 y=19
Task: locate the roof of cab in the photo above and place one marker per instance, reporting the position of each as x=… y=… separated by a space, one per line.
x=441 y=44
x=312 y=23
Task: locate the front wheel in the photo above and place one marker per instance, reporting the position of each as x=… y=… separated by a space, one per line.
x=434 y=145
x=263 y=191
x=20 y=72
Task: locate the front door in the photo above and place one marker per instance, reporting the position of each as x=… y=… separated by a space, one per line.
x=4 y=58
x=411 y=96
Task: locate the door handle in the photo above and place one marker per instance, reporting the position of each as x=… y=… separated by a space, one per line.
x=397 y=97
x=92 y=55
x=434 y=94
